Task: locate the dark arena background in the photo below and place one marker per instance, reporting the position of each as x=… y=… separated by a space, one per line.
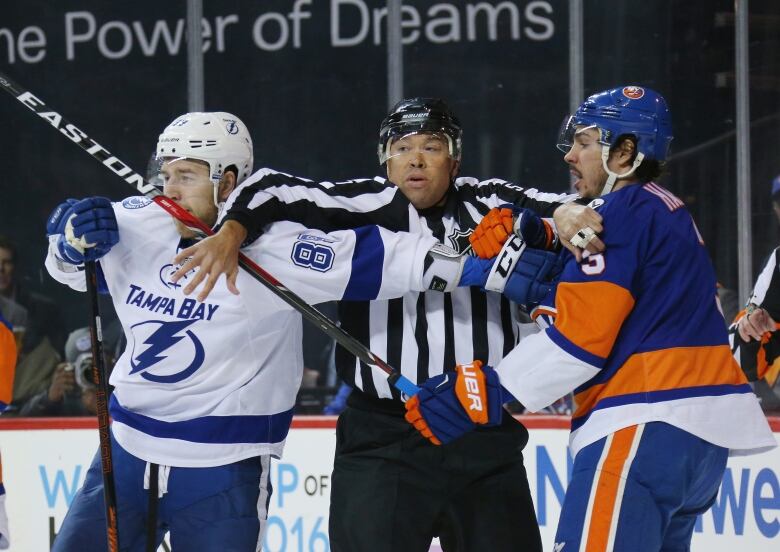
x=312 y=79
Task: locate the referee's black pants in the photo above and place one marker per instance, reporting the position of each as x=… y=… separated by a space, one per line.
x=393 y=491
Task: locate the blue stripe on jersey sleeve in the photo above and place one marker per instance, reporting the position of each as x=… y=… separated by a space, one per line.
x=260 y=428
x=578 y=352
x=662 y=396
x=6 y=323
x=367 y=263
x=102 y=285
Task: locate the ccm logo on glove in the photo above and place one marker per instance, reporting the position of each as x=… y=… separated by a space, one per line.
x=509 y=257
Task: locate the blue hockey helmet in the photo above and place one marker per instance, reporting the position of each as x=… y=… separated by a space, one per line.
x=627 y=110
x=776 y=188
x=633 y=110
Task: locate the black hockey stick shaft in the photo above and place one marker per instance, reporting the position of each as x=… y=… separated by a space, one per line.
x=100 y=377
x=122 y=170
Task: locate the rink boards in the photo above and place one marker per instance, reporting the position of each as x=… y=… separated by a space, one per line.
x=45 y=461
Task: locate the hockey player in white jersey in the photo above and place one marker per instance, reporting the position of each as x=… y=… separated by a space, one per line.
x=205 y=390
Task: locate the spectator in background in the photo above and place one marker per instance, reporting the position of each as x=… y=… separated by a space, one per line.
x=43 y=333
x=16 y=315
x=755 y=341
x=72 y=388
x=45 y=319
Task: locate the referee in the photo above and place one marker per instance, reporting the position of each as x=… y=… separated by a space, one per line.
x=392 y=490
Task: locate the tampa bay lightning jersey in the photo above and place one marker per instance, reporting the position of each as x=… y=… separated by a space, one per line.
x=206 y=384
x=638 y=335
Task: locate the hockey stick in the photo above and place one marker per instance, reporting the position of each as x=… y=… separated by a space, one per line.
x=100 y=377
x=134 y=179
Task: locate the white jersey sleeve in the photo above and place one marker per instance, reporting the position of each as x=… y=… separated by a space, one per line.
x=5 y=537
x=64 y=272
x=367 y=263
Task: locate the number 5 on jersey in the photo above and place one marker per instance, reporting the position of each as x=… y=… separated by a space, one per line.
x=593 y=263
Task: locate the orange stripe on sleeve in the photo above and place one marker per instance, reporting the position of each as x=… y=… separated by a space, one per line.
x=7 y=363
x=590 y=314
x=606 y=492
x=678 y=368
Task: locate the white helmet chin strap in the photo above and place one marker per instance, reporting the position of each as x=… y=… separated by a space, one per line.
x=216 y=197
x=613 y=177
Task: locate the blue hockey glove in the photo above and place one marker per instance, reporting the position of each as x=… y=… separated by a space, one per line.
x=86 y=229
x=523 y=274
x=535 y=274
x=498 y=224
x=535 y=231
x=55 y=224
x=452 y=404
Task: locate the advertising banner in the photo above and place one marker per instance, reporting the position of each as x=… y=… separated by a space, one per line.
x=44 y=467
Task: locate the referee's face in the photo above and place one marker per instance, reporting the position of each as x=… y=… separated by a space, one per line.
x=421 y=166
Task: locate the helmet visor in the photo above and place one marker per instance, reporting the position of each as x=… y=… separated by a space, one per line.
x=153 y=175
x=185 y=172
x=570 y=128
x=432 y=146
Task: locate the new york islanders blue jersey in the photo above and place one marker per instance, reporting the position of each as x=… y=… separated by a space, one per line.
x=638 y=335
x=7 y=370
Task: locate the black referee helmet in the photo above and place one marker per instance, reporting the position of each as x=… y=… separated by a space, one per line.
x=416 y=115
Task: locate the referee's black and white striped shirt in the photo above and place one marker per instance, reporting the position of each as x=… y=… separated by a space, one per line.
x=422 y=334
x=765 y=294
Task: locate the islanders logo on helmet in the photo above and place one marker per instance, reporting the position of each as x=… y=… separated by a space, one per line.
x=633 y=92
x=633 y=110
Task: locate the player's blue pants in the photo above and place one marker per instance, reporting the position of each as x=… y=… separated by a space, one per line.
x=639 y=490
x=222 y=508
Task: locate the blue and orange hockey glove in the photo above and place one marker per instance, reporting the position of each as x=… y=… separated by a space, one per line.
x=452 y=404
x=489 y=236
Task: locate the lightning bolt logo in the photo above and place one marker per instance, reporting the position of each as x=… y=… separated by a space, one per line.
x=160 y=341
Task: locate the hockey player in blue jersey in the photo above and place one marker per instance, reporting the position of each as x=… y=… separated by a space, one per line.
x=639 y=339
x=7 y=369
x=205 y=390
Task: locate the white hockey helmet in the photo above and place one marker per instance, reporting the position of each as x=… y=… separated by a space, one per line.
x=220 y=139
